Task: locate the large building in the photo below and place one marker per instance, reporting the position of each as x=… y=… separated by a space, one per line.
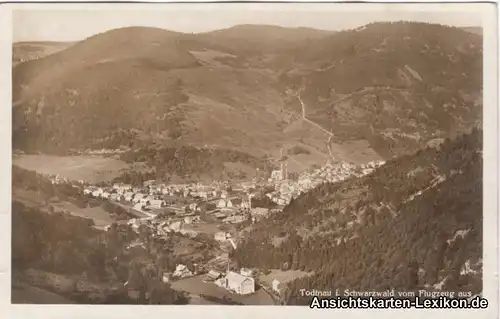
x=239 y=284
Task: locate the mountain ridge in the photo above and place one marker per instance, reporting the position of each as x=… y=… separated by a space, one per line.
x=192 y=89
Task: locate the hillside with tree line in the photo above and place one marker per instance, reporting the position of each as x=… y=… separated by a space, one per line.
x=414 y=223
x=392 y=86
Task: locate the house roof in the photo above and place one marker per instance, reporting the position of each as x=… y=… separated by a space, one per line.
x=236 y=278
x=213 y=274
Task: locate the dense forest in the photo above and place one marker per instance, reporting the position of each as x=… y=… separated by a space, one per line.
x=66 y=245
x=186 y=161
x=398 y=227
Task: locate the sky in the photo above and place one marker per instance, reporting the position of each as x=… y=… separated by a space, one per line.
x=77 y=23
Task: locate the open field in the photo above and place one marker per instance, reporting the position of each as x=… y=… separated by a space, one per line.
x=88 y=168
x=33 y=199
x=100 y=217
x=282 y=276
x=358 y=152
x=196 y=286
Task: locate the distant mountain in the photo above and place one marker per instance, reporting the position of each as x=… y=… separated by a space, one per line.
x=475 y=30
x=414 y=223
x=25 y=51
x=396 y=85
x=383 y=90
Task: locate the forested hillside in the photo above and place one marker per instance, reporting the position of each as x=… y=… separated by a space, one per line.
x=388 y=88
x=415 y=222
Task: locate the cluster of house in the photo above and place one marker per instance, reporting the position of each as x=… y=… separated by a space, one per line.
x=164 y=227
x=57 y=179
x=141 y=197
x=285 y=190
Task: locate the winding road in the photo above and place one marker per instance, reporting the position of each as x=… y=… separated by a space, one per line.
x=304 y=117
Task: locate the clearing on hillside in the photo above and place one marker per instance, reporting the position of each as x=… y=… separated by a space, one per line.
x=87 y=168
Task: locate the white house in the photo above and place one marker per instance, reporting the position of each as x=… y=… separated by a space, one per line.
x=166 y=277
x=123 y=188
x=176 y=226
x=138 y=198
x=239 y=284
x=115 y=197
x=221 y=236
x=182 y=271
x=222 y=203
x=105 y=195
x=246 y=272
x=276 y=286
x=156 y=203
x=203 y=194
x=97 y=192
x=128 y=196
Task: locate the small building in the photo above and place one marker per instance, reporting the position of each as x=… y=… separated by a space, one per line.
x=176 y=226
x=97 y=192
x=259 y=212
x=221 y=236
x=239 y=284
x=121 y=189
x=156 y=203
x=221 y=203
x=203 y=194
x=212 y=275
x=105 y=195
x=188 y=232
x=246 y=272
x=116 y=197
x=191 y=219
x=129 y=196
x=138 y=198
x=182 y=271
x=166 y=277
x=277 y=286
x=235 y=219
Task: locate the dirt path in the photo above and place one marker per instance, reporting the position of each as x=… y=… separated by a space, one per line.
x=304 y=117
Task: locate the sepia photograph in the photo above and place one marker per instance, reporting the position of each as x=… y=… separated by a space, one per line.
x=215 y=154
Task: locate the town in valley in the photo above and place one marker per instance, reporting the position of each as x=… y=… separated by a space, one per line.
x=250 y=164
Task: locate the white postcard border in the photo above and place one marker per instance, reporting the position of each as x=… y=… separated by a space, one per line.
x=490 y=185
